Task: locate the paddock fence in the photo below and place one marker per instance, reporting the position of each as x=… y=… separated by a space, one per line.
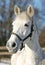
x=5 y=54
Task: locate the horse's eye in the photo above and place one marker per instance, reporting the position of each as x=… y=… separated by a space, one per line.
x=26 y=25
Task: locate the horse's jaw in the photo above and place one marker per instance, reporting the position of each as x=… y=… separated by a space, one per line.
x=32 y=43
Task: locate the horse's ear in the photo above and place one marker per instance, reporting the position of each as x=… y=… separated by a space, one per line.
x=30 y=11
x=16 y=10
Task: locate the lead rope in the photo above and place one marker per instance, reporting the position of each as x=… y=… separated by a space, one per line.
x=22 y=46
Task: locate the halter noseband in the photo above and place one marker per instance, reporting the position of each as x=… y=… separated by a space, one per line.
x=30 y=35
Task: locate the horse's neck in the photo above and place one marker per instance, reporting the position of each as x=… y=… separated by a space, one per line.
x=32 y=44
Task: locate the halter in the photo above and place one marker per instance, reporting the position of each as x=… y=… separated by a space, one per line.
x=30 y=35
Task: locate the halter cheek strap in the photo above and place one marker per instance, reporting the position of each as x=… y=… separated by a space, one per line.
x=30 y=35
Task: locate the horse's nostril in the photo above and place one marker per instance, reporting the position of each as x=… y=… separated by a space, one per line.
x=14 y=44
